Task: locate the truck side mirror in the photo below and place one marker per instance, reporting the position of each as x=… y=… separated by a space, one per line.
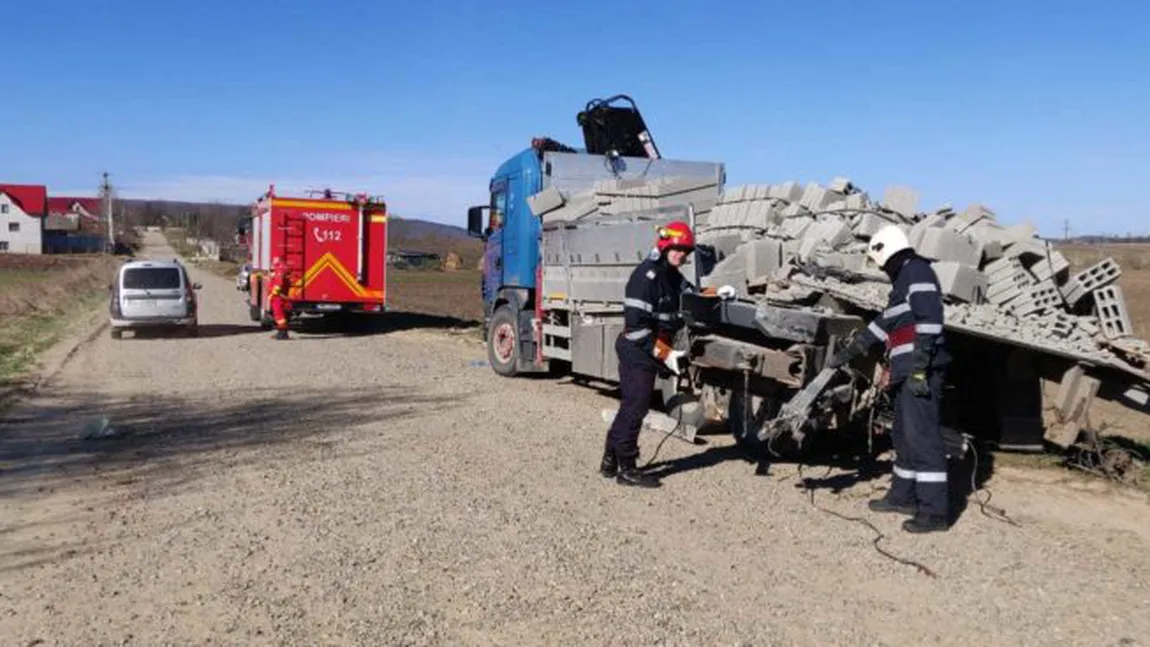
x=475 y=221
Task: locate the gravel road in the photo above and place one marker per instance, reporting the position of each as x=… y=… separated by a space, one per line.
x=384 y=490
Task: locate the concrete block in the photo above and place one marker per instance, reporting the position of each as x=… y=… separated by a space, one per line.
x=1071 y=406
x=1059 y=324
x=816 y=197
x=732 y=270
x=941 y=244
x=1073 y=292
x=1099 y=275
x=833 y=231
x=1018 y=233
x=990 y=251
x=724 y=244
x=574 y=209
x=868 y=225
x=859 y=200
x=809 y=246
x=763 y=257
x=918 y=228
x=841 y=185
x=789 y=191
x=837 y=205
x=794 y=210
x=791 y=250
x=1110 y=308
x=1051 y=266
x=961 y=282
x=851 y=262
x=735 y=194
x=973 y=215
x=1004 y=296
x=901 y=199
x=1003 y=267
x=1042 y=297
x=1088 y=324
x=546 y=200
x=796 y=227
x=1030 y=250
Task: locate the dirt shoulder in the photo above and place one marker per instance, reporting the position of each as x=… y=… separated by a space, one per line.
x=46 y=300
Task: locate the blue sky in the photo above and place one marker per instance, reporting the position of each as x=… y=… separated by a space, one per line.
x=1037 y=109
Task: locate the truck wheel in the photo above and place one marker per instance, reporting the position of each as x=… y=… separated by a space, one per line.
x=503 y=342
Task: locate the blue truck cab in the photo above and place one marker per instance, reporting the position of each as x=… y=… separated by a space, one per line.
x=618 y=146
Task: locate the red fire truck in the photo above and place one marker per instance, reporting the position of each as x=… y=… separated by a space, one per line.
x=332 y=245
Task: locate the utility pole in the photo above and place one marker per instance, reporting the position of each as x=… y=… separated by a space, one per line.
x=1066 y=229
x=106 y=194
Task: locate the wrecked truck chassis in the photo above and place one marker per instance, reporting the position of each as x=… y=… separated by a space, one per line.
x=758 y=350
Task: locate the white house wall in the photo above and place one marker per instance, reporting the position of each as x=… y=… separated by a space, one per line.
x=29 y=238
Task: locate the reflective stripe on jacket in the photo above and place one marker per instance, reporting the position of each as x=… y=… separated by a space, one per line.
x=913 y=314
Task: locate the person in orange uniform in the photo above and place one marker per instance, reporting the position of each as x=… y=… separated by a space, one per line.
x=279 y=300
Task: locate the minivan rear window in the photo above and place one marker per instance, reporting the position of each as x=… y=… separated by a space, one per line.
x=152 y=278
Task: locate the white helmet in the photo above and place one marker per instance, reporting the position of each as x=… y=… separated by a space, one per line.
x=889 y=240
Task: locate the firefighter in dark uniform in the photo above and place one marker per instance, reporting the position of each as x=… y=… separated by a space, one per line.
x=911 y=328
x=650 y=318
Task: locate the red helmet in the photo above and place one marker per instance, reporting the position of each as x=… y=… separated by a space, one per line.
x=675 y=235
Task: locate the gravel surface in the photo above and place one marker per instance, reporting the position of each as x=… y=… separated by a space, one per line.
x=382 y=489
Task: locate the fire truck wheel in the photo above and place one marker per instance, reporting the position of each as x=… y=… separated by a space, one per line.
x=503 y=342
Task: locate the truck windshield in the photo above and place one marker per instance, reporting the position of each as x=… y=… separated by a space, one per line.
x=152 y=278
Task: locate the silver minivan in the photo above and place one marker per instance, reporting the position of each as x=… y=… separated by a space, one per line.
x=153 y=294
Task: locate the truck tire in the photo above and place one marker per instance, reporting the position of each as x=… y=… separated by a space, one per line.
x=503 y=342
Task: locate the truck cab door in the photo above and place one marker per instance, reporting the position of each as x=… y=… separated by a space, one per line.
x=493 y=260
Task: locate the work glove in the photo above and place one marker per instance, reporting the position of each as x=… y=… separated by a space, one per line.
x=670 y=357
x=920 y=365
x=724 y=292
x=918 y=384
x=672 y=361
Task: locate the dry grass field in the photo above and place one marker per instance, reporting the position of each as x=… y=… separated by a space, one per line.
x=38 y=296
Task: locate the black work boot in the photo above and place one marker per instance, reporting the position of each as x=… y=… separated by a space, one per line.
x=630 y=475
x=922 y=523
x=609 y=467
x=886 y=504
